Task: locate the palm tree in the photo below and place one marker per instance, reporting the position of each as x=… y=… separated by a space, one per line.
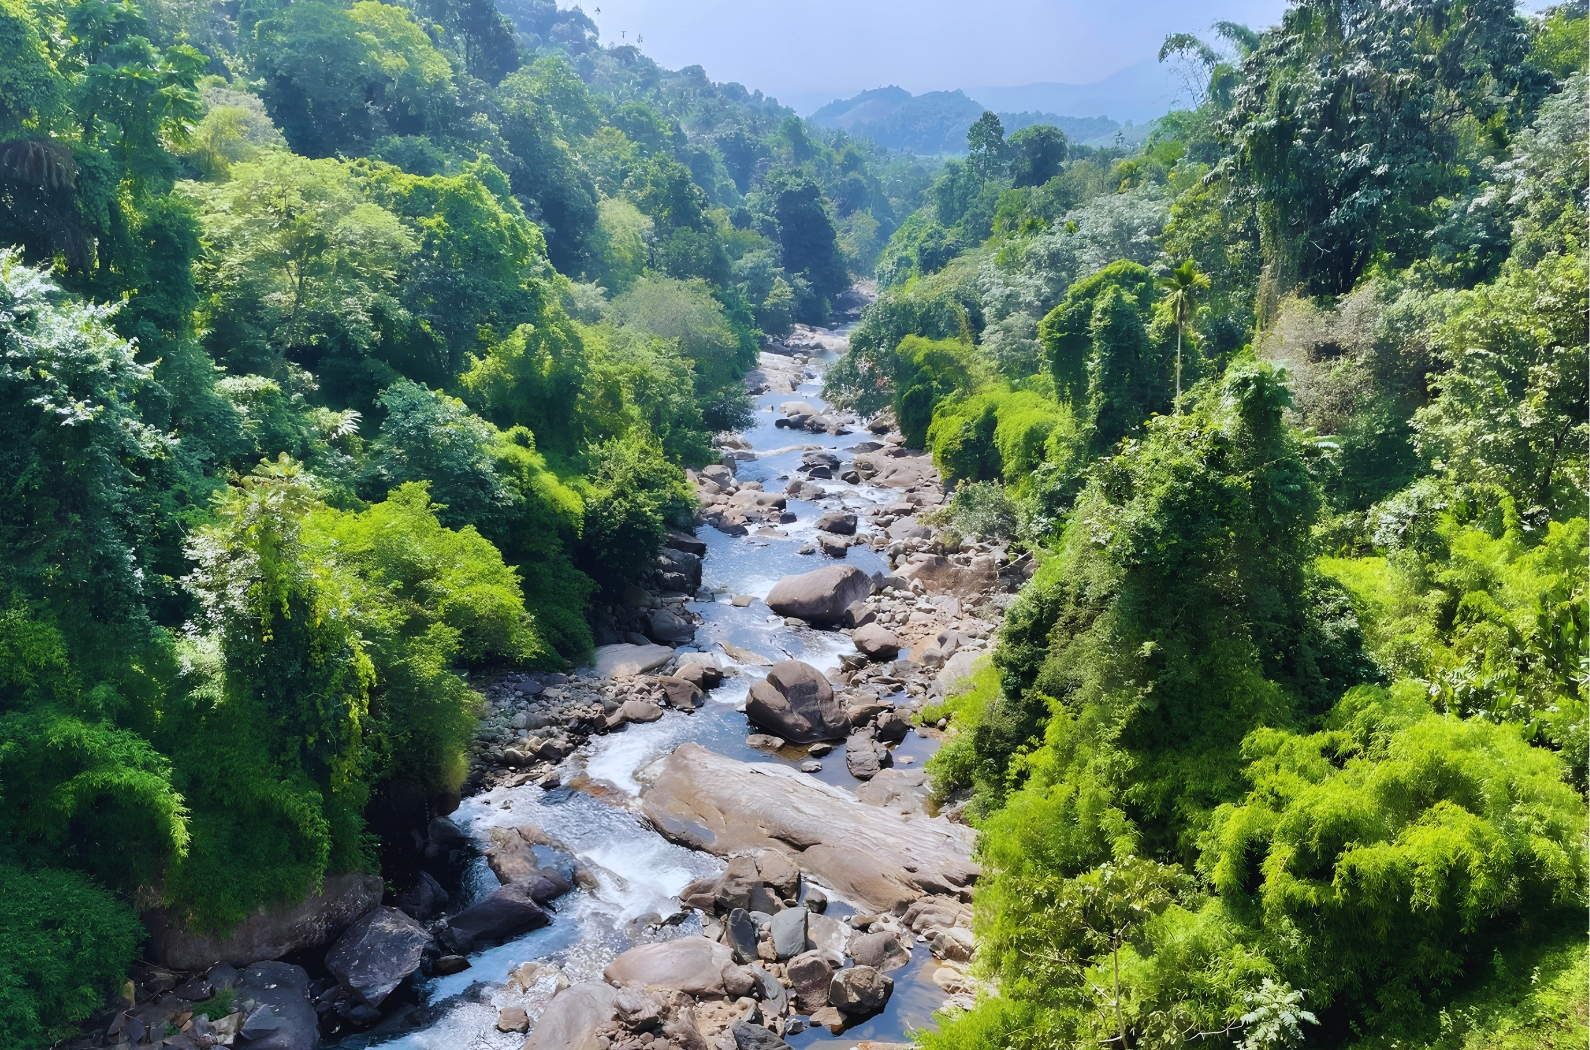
x=1184 y=284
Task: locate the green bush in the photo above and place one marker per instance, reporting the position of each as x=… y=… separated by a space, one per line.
x=636 y=497
x=68 y=945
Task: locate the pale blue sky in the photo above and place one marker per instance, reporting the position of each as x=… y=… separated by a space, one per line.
x=810 y=52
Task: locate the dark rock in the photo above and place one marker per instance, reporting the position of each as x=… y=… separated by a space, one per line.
x=446 y=834
x=754 y=1037
x=832 y=546
x=505 y=914
x=284 y=1019
x=839 y=522
x=861 y=758
x=275 y=931
x=195 y=989
x=376 y=954
x=742 y=936
x=447 y=965
x=769 y=990
x=858 y=614
x=892 y=727
x=680 y=541
x=668 y=627
x=764 y=900
x=223 y=976
x=424 y=898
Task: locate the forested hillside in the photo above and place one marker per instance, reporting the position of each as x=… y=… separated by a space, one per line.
x=1286 y=741
x=346 y=347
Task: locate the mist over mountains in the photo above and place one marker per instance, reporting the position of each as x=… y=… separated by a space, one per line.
x=935 y=122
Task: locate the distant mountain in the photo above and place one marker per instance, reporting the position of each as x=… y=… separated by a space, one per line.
x=1139 y=93
x=935 y=123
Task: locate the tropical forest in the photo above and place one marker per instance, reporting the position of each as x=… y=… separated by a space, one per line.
x=508 y=545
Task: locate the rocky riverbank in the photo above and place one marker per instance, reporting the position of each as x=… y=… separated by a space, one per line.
x=827 y=886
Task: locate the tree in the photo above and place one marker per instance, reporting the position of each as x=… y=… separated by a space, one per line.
x=1037 y=154
x=1125 y=380
x=1182 y=287
x=988 y=154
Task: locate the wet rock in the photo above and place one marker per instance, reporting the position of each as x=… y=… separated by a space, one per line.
x=693 y=965
x=667 y=626
x=828 y=1017
x=832 y=546
x=699 y=674
x=447 y=965
x=789 y=933
x=680 y=541
x=682 y=693
x=764 y=742
x=882 y=951
x=506 y=913
x=875 y=642
x=821 y=596
x=839 y=522
x=639 y=711
x=512 y=1019
x=811 y=973
x=283 y=1017
x=424 y=897
x=892 y=727
x=376 y=953
x=624 y=660
x=570 y=1021
x=195 y=989
x=860 y=991
x=796 y=702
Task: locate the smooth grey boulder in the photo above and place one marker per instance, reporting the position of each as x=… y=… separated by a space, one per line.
x=668 y=627
x=693 y=965
x=789 y=933
x=882 y=951
x=876 y=642
x=505 y=914
x=821 y=596
x=769 y=990
x=281 y=1016
x=376 y=953
x=797 y=703
x=623 y=660
x=570 y=1021
x=269 y=934
x=742 y=936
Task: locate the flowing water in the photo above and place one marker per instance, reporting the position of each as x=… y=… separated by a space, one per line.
x=638 y=873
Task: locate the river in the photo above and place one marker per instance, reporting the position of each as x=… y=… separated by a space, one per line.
x=637 y=871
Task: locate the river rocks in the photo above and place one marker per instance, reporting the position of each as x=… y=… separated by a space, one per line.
x=376 y=953
x=875 y=642
x=668 y=627
x=821 y=596
x=882 y=951
x=273 y=998
x=504 y=914
x=680 y=541
x=277 y=931
x=839 y=522
x=693 y=965
x=864 y=756
x=779 y=872
x=570 y=1021
x=789 y=933
x=834 y=547
x=860 y=991
x=638 y=711
x=869 y=855
x=741 y=935
x=513 y=1019
x=940 y=575
x=624 y=660
x=755 y=1037
x=955 y=944
x=811 y=973
x=796 y=702
x=682 y=693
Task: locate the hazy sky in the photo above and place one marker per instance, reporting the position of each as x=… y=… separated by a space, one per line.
x=810 y=51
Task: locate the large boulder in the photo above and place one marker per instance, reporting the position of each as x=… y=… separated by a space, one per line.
x=821 y=596
x=571 y=1020
x=623 y=660
x=860 y=991
x=940 y=575
x=508 y=912
x=376 y=953
x=839 y=522
x=749 y=1036
x=269 y=934
x=811 y=973
x=883 y=951
x=876 y=642
x=788 y=929
x=693 y=965
x=667 y=626
x=277 y=1014
x=797 y=703
x=874 y=857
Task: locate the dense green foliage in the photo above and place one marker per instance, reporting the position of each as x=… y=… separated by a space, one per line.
x=1286 y=741
x=344 y=346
